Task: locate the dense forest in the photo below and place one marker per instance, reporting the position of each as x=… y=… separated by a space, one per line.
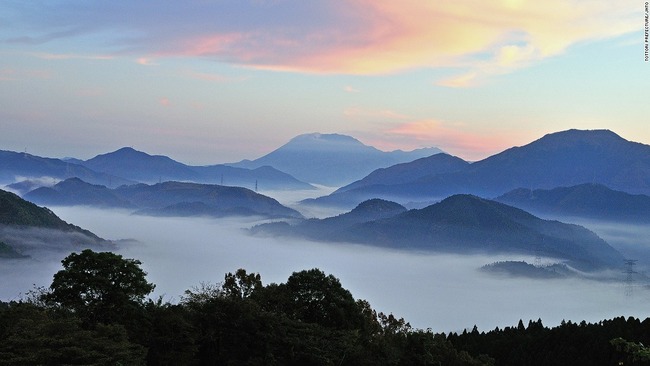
x=96 y=311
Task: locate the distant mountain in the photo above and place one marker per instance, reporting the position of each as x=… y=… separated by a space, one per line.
x=168 y=199
x=142 y=167
x=193 y=199
x=585 y=200
x=22 y=223
x=24 y=166
x=263 y=178
x=75 y=192
x=560 y=159
x=25 y=186
x=331 y=159
x=466 y=224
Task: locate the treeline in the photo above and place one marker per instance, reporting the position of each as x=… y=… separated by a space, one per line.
x=618 y=341
x=96 y=313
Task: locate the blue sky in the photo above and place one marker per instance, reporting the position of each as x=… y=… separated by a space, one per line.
x=221 y=80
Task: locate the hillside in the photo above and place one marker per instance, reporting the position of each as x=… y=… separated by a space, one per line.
x=25 y=226
x=75 y=192
x=564 y=158
x=588 y=200
x=331 y=159
x=141 y=167
x=466 y=224
x=407 y=172
x=168 y=198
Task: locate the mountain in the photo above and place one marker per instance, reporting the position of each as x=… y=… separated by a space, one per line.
x=192 y=199
x=25 y=226
x=142 y=167
x=587 y=200
x=564 y=158
x=24 y=166
x=75 y=192
x=166 y=199
x=407 y=172
x=331 y=159
x=466 y=224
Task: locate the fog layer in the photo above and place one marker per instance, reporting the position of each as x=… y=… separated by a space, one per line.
x=442 y=292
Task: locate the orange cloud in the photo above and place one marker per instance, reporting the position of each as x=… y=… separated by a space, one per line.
x=483 y=38
x=146 y=61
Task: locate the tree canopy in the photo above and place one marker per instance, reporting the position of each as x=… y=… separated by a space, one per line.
x=99 y=286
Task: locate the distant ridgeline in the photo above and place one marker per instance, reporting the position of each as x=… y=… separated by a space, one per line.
x=459 y=224
x=562 y=159
x=128 y=166
x=25 y=227
x=164 y=199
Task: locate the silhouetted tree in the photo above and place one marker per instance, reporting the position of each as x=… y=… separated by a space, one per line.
x=99 y=286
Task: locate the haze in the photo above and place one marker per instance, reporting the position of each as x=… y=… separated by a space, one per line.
x=442 y=292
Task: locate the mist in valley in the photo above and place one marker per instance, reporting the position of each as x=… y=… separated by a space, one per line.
x=441 y=292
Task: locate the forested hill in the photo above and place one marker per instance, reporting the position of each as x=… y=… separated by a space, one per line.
x=16 y=211
x=26 y=227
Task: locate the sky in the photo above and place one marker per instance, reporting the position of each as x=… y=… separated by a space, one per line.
x=214 y=81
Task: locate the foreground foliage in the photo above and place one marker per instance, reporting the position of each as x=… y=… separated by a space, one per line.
x=95 y=312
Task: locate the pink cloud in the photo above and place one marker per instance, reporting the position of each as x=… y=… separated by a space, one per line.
x=454 y=139
x=385 y=36
x=478 y=38
x=390 y=130
x=10 y=74
x=165 y=102
x=146 y=61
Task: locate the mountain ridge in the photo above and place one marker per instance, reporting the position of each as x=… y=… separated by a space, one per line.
x=331 y=159
x=463 y=224
x=562 y=158
x=167 y=198
x=589 y=200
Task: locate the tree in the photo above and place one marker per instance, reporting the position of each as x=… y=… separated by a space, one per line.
x=241 y=285
x=318 y=298
x=100 y=287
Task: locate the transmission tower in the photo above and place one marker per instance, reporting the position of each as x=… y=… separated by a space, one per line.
x=629 y=276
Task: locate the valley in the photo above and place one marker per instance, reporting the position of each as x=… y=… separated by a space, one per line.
x=432 y=252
